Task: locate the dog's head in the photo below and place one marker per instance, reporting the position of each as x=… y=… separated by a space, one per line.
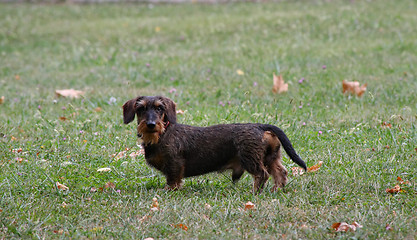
x=154 y=115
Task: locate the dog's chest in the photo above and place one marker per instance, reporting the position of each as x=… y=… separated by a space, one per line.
x=154 y=158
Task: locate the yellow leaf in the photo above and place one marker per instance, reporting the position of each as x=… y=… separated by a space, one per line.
x=353 y=88
x=279 y=85
x=61 y=186
x=71 y=93
x=240 y=72
x=157 y=29
x=315 y=167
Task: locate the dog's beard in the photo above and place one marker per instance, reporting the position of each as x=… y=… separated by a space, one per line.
x=150 y=136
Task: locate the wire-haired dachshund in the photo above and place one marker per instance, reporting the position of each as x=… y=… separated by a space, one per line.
x=181 y=151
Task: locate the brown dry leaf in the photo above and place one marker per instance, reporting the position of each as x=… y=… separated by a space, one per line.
x=97 y=109
x=315 y=167
x=396 y=189
x=1 y=99
x=155 y=203
x=297 y=171
x=61 y=186
x=386 y=125
x=109 y=185
x=344 y=227
x=137 y=153
x=1 y=210
x=63 y=118
x=279 y=85
x=70 y=93
x=249 y=206
x=401 y=181
x=144 y=218
x=119 y=155
x=182 y=226
x=354 y=88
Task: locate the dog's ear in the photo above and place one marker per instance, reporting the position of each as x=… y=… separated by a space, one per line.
x=170 y=112
x=129 y=110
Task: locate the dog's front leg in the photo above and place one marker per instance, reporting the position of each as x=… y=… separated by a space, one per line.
x=174 y=175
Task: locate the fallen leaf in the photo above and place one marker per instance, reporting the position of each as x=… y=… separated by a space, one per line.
x=93 y=189
x=1 y=99
x=144 y=218
x=297 y=171
x=63 y=118
x=279 y=85
x=155 y=203
x=401 y=181
x=60 y=231
x=136 y=154
x=388 y=227
x=386 y=125
x=240 y=72
x=182 y=226
x=354 y=88
x=97 y=109
x=249 y=205
x=71 y=93
x=344 y=227
x=315 y=167
x=61 y=186
x=104 y=169
x=157 y=29
x=396 y=189
x=109 y=185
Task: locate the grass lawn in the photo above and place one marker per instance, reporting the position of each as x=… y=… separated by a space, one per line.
x=216 y=62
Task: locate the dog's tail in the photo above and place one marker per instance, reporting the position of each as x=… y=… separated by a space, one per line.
x=285 y=143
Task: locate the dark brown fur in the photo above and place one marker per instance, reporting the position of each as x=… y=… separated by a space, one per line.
x=181 y=151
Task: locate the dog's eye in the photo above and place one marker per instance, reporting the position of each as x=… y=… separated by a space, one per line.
x=159 y=108
x=140 y=108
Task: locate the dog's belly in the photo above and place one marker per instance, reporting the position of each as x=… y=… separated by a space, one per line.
x=210 y=159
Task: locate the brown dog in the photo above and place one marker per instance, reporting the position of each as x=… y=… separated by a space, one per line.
x=181 y=151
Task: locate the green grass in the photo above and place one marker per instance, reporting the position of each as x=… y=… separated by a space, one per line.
x=117 y=51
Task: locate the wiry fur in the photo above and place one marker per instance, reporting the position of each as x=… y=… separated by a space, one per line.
x=181 y=151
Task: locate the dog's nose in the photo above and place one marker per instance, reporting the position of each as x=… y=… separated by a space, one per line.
x=150 y=125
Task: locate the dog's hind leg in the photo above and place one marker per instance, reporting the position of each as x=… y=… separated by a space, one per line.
x=278 y=171
x=252 y=162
